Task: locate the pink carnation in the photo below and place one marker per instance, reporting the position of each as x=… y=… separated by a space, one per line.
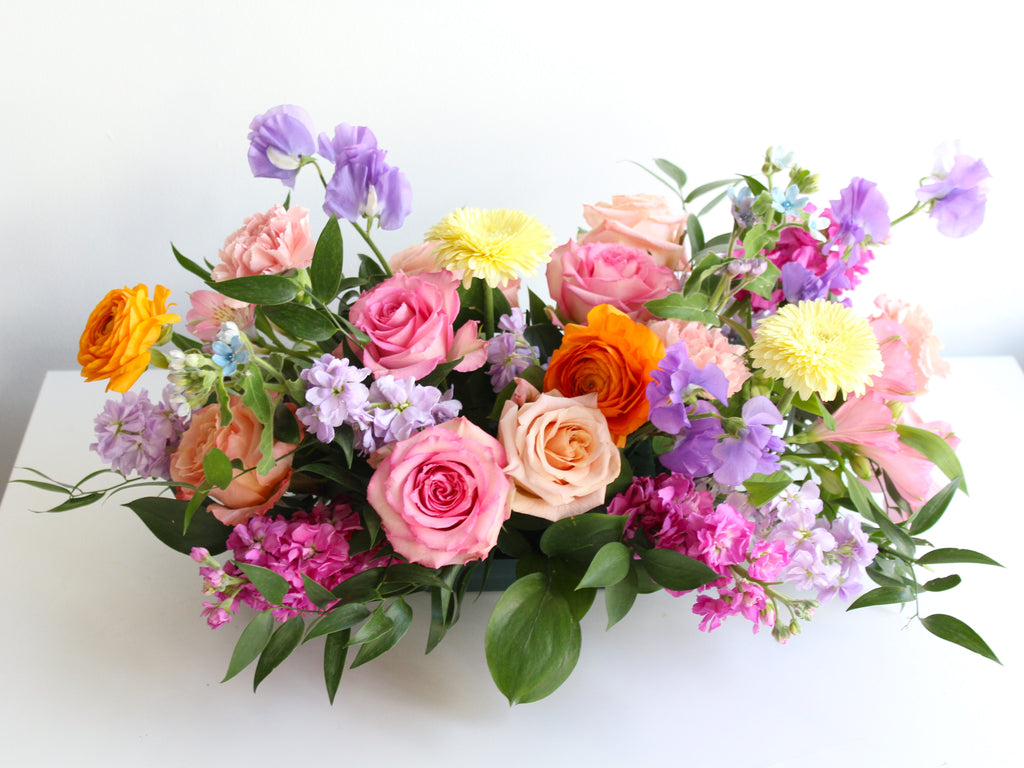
x=267 y=244
x=706 y=345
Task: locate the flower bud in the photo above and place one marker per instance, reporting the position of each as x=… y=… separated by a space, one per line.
x=861 y=467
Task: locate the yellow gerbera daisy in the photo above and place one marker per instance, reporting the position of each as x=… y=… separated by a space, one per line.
x=817 y=346
x=496 y=245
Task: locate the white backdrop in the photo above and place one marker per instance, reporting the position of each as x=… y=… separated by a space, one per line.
x=124 y=128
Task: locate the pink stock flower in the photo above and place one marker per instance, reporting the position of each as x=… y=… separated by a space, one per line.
x=210 y=309
x=922 y=344
x=267 y=244
x=639 y=221
x=442 y=495
x=409 y=321
x=581 y=276
x=706 y=345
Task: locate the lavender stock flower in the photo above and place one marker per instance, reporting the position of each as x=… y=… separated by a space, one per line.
x=336 y=395
x=278 y=140
x=957 y=195
x=398 y=408
x=134 y=434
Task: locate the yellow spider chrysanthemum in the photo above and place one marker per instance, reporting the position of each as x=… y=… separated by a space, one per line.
x=495 y=245
x=817 y=346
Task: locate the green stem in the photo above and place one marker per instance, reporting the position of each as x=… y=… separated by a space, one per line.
x=908 y=214
x=744 y=332
x=488 y=311
x=365 y=234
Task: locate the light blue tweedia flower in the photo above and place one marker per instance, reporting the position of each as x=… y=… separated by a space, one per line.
x=788 y=202
x=230 y=355
x=781 y=157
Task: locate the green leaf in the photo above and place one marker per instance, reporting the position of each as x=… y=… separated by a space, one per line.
x=581 y=536
x=361 y=587
x=763 y=488
x=271 y=585
x=399 y=616
x=703 y=189
x=882 y=596
x=619 y=597
x=251 y=642
x=933 y=448
x=286 y=426
x=414 y=575
x=335 y=653
x=755 y=186
x=318 y=594
x=674 y=570
x=954 y=555
x=867 y=507
x=258 y=289
x=532 y=640
x=710 y=206
x=609 y=566
x=77 y=501
x=933 y=509
x=538 y=314
x=336 y=473
x=191 y=266
x=955 y=631
x=673 y=171
x=217 y=468
x=693 y=306
x=943 y=583
x=326 y=271
x=341 y=618
x=255 y=396
x=286 y=638
x=765 y=283
x=165 y=519
x=695 y=233
x=301 y=322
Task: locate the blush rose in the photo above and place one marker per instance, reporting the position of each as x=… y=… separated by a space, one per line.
x=442 y=494
x=560 y=455
x=409 y=321
x=249 y=493
x=640 y=221
x=581 y=276
x=267 y=244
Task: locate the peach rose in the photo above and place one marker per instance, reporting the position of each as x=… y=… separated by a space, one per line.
x=613 y=357
x=119 y=333
x=249 y=493
x=640 y=221
x=560 y=455
x=267 y=244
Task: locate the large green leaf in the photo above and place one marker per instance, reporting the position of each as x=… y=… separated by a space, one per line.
x=674 y=570
x=399 y=617
x=286 y=638
x=955 y=631
x=581 y=536
x=609 y=566
x=933 y=509
x=619 y=597
x=335 y=652
x=342 y=617
x=946 y=555
x=532 y=641
x=933 y=448
x=301 y=322
x=326 y=271
x=165 y=518
x=258 y=289
x=251 y=642
x=271 y=585
x=883 y=596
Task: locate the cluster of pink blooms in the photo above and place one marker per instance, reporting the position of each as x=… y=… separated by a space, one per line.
x=783 y=541
x=315 y=544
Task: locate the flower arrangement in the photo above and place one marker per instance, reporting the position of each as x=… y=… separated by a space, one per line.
x=703 y=416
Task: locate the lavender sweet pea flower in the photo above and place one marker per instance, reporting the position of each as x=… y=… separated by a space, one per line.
x=675 y=379
x=861 y=213
x=800 y=284
x=754 y=448
x=691 y=456
x=363 y=184
x=277 y=141
x=957 y=195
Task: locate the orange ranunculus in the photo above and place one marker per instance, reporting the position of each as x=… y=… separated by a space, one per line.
x=120 y=331
x=612 y=356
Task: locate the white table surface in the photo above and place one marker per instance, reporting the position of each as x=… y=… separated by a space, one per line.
x=105 y=661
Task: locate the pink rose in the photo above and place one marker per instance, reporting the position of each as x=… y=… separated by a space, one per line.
x=582 y=276
x=442 y=494
x=249 y=493
x=560 y=454
x=267 y=244
x=409 y=321
x=640 y=221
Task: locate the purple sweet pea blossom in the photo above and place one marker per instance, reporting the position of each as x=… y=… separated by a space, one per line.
x=691 y=455
x=673 y=381
x=801 y=284
x=363 y=184
x=277 y=141
x=754 y=448
x=861 y=213
x=957 y=195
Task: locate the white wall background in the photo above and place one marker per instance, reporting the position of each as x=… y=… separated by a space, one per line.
x=124 y=128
